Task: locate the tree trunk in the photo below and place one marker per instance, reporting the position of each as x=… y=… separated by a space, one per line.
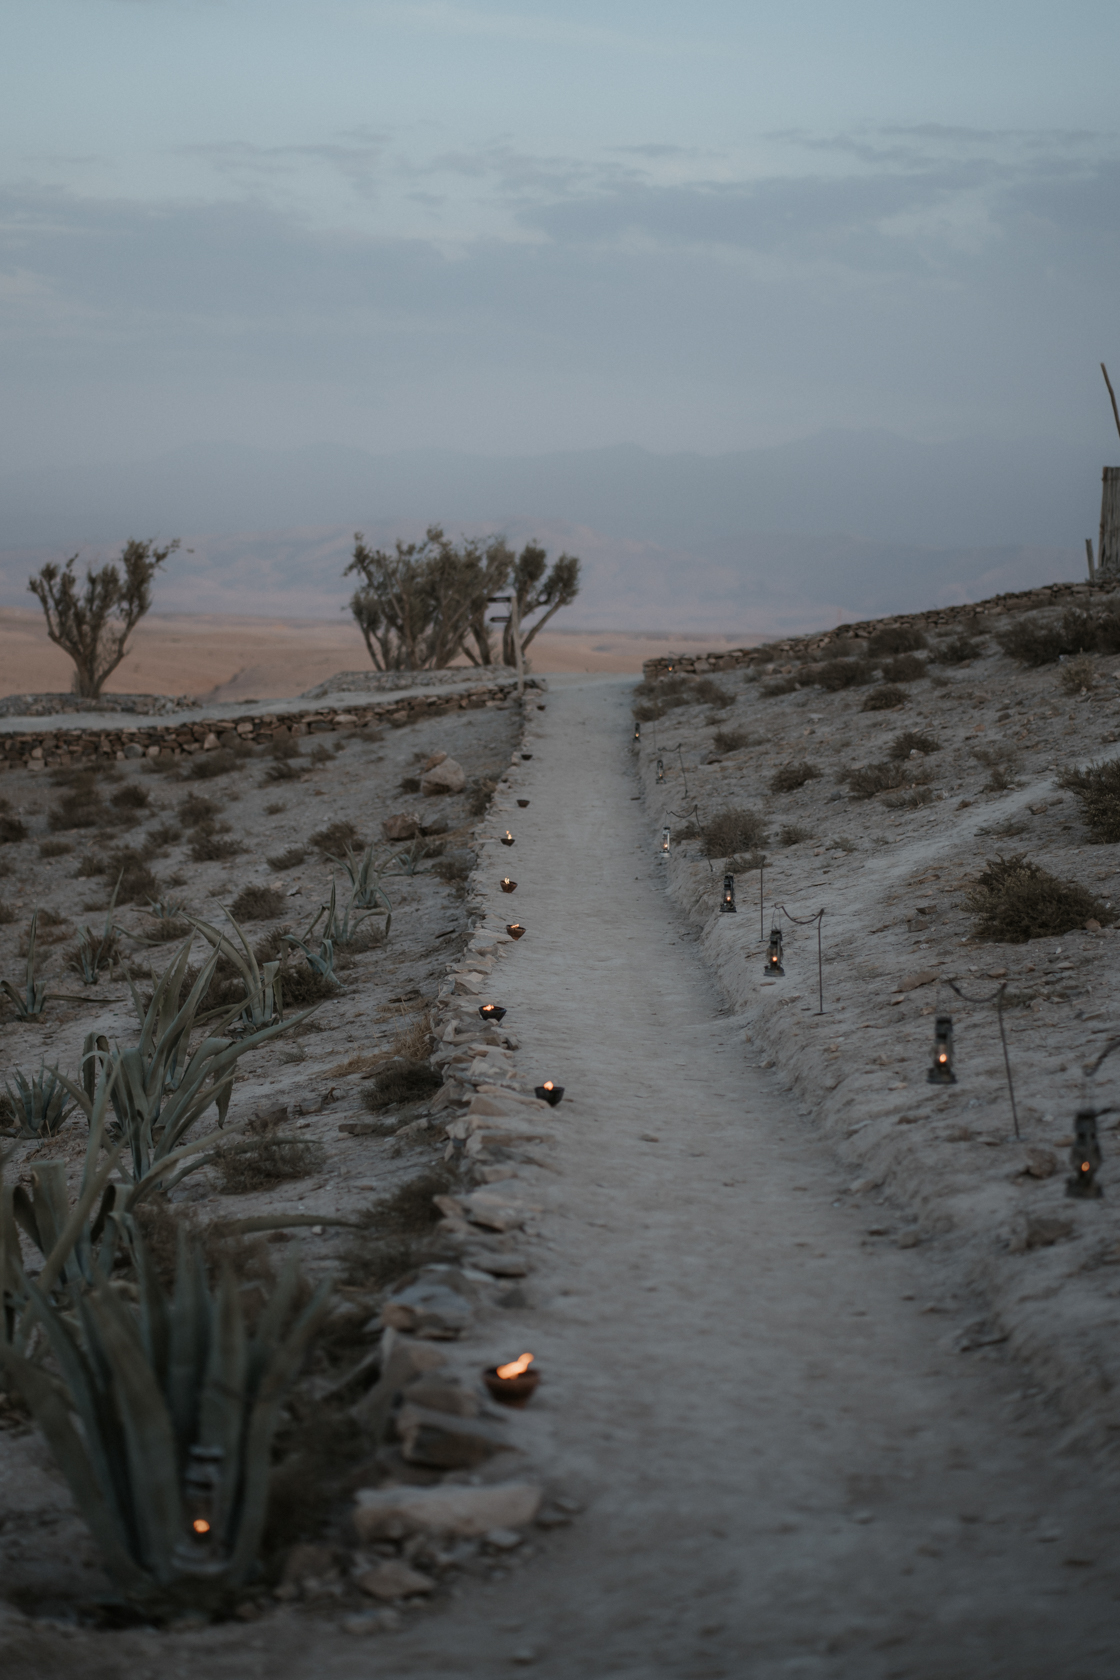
x=1108 y=550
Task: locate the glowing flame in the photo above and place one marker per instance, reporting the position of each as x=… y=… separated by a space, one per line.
x=507 y=835
x=548 y=1085
x=943 y=1056
x=516 y=1367
x=200 y=1525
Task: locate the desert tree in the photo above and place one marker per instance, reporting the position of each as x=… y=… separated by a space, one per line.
x=538 y=588
x=417 y=606
x=92 y=622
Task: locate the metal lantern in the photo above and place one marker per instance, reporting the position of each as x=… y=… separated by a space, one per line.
x=1085 y=1157
x=661 y=770
x=941 y=1067
x=727 y=903
x=491 y=1011
x=774 y=951
x=637 y=732
x=664 y=847
x=507 y=885
x=201 y=1488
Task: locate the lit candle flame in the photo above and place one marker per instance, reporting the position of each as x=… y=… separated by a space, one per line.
x=548 y=1085
x=200 y=1525
x=516 y=1367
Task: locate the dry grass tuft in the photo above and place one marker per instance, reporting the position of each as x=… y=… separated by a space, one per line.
x=12 y=830
x=906 y=668
x=871 y=779
x=792 y=834
x=260 y=1163
x=912 y=740
x=258 y=904
x=958 y=650
x=1078 y=676
x=1015 y=900
x=1097 y=790
x=837 y=674
x=731 y=740
x=291 y=859
x=732 y=830
x=53 y=848
x=884 y=698
x=792 y=776
x=333 y=840
x=896 y=638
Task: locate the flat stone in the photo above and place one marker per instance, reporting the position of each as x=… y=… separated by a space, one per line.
x=404 y=826
x=1041 y=1162
x=464 y=1511
x=447 y=1442
x=444 y=777
x=393 y=1579
x=428 y=1310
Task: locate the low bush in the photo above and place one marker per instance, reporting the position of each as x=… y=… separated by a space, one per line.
x=12 y=830
x=906 y=668
x=958 y=650
x=732 y=830
x=479 y=795
x=1097 y=791
x=320 y=753
x=136 y=879
x=301 y=985
x=164 y=834
x=54 y=848
x=912 y=740
x=884 y=698
x=275 y=808
x=284 y=747
x=194 y=809
x=655 y=698
x=290 y=859
x=205 y=766
x=333 y=840
x=281 y=770
x=260 y=1163
x=1015 y=900
x=871 y=779
x=130 y=797
x=402 y=1082
x=258 y=904
x=896 y=638
x=792 y=834
x=908 y=801
x=164 y=929
x=779 y=685
x=409 y=784
x=1078 y=676
x=1036 y=641
x=81 y=807
x=213 y=847
x=730 y=740
x=7 y=913
x=792 y=776
x=843 y=673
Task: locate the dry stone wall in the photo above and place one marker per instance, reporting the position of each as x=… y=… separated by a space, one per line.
x=45 y=748
x=963 y=617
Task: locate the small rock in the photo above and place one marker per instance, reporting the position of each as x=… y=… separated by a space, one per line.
x=428 y=1310
x=444 y=777
x=1040 y=1163
x=1038 y=1231
x=1092 y=925
x=437 y=1394
x=465 y=1511
x=502 y=1539
x=447 y=1442
x=394 y=1579
x=404 y=826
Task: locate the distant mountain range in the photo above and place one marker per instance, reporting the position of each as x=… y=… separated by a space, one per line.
x=842 y=524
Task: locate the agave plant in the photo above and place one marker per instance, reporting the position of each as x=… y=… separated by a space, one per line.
x=29 y=1003
x=93 y=953
x=159 y=1087
x=341 y=929
x=321 y=960
x=39 y=1105
x=262 y=1001
x=366 y=891
x=176 y=1404
x=166 y=909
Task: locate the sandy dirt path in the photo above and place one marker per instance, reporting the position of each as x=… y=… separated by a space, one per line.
x=788 y=1469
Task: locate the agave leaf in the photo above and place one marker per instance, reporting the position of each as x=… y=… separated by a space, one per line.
x=276 y=1377
x=53 y=1417
x=155 y=1322
x=148 y=1434
x=222 y=1407
x=188 y=1345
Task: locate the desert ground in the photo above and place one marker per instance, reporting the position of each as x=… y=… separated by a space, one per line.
x=224 y=658
x=828 y=1357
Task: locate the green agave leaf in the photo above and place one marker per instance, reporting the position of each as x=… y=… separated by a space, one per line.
x=222 y=1408
x=188 y=1346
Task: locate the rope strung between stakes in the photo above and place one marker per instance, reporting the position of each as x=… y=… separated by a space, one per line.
x=996 y=997
x=807 y=921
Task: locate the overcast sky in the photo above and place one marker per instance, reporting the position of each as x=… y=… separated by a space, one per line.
x=524 y=226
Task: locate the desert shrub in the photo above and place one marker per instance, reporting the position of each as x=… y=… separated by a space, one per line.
x=205 y=766
x=194 y=809
x=479 y=795
x=290 y=859
x=410 y=784
x=1034 y=641
x=301 y=985
x=871 y=779
x=164 y=834
x=792 y=776
x=896 y=638
x=908 y=801
x=284 y=746
x=646 y=711
x=7 y=913
x=1097 y=791
x=732 y=830
x=259 y=1163
x=843 y=673
x=54 y=848
x=730 y=740
x=792 y=834
x=401 y=1082
x=212 y=847
x=164 y=929
x=884 y=698
x=130 y=797
x=81 y=807
x=779 y=685
x=333 y=840
x=654 y=698
x=281 y=770
x=1002 y=761
x=257 y=904
x=453 y=868
x=321 y=753
x=136 y=879
x=912 y=740
x=12 y=830
x=399 y=1232
x=958 y=650
x=1078 y=675
x=842 y=648
x=905 y=669
x=708 y=693
x=1015 y=900
x=275 y=808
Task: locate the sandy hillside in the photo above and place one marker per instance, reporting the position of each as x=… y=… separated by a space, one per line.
x=230 y=658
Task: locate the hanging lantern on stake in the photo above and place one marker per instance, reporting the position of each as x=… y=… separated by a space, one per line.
x=774 y=951
x=1085 y=1157
x=727 y=903
x=201 y=1489
x=507 y=885
x=663 y=849
x=941 y=1067
x=637 y=732
x=661 y=770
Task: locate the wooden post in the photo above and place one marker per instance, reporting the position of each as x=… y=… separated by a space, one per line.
x=1089 y=557
x=1108 y=548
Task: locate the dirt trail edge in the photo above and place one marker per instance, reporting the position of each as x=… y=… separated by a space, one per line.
x=786 y=1466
